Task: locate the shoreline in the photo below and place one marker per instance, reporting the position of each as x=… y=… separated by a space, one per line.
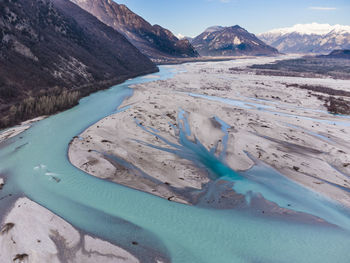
x=16 y=130
x=85 y=91
x=42 y=235
x=180 y=61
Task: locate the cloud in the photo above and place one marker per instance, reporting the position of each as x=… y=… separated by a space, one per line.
x=321 y=8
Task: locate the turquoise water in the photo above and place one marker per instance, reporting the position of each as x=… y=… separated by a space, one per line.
x=175 y=232
x=260 y=180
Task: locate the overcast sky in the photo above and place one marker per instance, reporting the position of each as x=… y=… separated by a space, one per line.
x=191 y=17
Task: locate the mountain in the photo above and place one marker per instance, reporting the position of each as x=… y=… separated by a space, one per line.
x=190 y=39
x=308 y=38
x=155 y=41
x=338 y=54
x=53 y=52
x=230 y=41
x=214 y=29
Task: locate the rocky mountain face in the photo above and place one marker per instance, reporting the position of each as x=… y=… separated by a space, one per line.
x=230 y=41
x=155 y=41
x=52 y=53
x=338 y=54
x=308 y=38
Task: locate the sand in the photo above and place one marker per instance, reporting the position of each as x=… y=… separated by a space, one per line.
x=41 y=236
x=271 y=122
x=12 y=132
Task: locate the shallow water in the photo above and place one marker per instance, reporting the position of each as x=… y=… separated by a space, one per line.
x=173 y=231
x=260 y=180
x=273 y=109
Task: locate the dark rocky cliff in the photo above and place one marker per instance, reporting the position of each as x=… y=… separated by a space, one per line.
x=53 y=52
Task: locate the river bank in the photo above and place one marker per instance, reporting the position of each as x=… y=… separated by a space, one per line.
x=60 y=99
x=286 y=128
x=176 y=61
x=31 y=233
x=14 y=131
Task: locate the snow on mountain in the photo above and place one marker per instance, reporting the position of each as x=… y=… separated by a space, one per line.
x=180 y=36
x=308 y=38
x=310 y=29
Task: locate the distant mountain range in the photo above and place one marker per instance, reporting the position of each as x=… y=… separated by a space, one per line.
x=308 y=38
x=230 y=41
x=155 y=41
x=53 y=52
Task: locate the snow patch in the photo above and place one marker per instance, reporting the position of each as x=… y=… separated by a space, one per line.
x=237 y=41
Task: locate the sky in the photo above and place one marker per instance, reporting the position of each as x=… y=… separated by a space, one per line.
x=192 y=17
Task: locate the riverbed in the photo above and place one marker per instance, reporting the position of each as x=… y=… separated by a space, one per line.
x=35 y=165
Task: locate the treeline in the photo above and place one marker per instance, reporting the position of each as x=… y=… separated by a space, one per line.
x=337 y=105
x=17 y=105
x=320 y=89
x=32 y=107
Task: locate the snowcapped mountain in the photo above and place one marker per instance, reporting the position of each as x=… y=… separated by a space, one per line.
x=230 y=41
x=308 y=38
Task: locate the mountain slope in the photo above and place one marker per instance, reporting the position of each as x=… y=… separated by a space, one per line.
x=308 y=38
x=52 y=52
x=230 y=41
x=154 y=41
x=338 y=54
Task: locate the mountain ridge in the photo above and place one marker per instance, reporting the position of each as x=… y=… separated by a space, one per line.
x=338 y=54
x=311 y=29
x=155 y=41
x=308 y=38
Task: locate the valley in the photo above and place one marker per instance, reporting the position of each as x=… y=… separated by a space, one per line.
x=213 y=142
x=129 y=133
